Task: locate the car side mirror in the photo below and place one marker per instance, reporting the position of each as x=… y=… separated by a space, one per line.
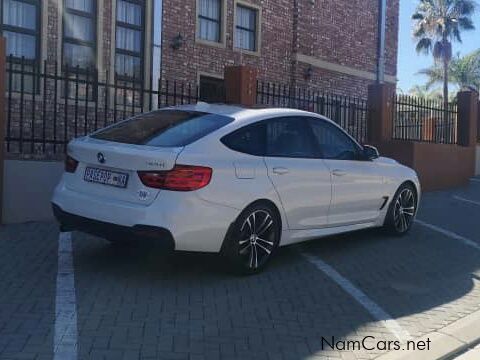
x=370 y=152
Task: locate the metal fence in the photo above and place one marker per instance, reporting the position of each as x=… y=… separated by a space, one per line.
x=419 y=119
x=48 y=106
x=348 y=112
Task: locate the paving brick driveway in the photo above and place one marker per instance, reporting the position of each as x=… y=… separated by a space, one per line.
x=134 y=303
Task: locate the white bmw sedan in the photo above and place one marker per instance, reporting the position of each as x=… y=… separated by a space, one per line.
x=230 y=180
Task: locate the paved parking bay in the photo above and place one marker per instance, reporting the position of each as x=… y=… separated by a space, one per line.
x=73 y=296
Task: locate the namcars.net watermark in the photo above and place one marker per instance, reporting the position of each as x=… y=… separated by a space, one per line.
x=371 y=343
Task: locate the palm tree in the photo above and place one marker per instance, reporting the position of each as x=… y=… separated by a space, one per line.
x=419 y=91
x=425 y=93
x=437 y=24
x=463 y=72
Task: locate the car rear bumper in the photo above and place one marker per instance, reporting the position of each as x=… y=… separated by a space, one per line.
x=70 y=222
x=194 y=224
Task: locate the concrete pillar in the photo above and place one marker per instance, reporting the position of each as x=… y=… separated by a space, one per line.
x=467 y=118
x=240 y=85
x=380 y=115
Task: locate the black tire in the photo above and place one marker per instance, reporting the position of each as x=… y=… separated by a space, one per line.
x=253 y=239
x=402 y=210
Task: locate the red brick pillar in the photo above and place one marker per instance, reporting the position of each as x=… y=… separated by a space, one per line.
x=467 y=118
x=380 y=119
x=240 y=85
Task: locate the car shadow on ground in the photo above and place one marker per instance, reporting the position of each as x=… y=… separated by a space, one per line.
x=136 y=302
x=424 y=272
x=190 y=304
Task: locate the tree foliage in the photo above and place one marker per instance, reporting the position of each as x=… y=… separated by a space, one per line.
x=463 y=72
x=437 y=23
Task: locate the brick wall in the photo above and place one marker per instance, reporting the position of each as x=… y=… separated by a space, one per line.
x=52 y=31
x=345 y=32
x=339 y=32
x=345 y=35
x=179 y=16
x=108 y=20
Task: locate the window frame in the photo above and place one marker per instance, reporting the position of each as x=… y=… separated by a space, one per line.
x=218 y=22
x=141 y=54
x=311 y=137
x=35 y=33
x=258 y=23
x=338 y=129
x=92 y=44
x=265 y=122
x=261 y=123
x=222 y=26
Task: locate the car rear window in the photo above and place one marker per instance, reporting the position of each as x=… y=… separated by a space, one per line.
x=164 y=128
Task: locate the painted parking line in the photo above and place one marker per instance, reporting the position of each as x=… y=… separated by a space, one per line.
x=375 y=310
x=472 y=354
x=450 y=234
x=65 y=340
x=459 y=198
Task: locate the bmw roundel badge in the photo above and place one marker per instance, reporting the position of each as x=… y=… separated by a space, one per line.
x=100 y=158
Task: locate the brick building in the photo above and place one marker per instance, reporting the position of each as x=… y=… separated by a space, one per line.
x=326 y=44
x=77 y=65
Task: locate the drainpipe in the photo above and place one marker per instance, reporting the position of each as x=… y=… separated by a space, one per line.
x=156 y=45
x=382 y=16
x=294 y=50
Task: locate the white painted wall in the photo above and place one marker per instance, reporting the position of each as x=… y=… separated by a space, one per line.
x=477 y=162
x=27 y=190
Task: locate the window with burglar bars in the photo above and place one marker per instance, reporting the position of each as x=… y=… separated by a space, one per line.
x=246 y=28
x=21 y=28
x=129 y=50
x=210 y=20
x=79 y=46
x=212 y=89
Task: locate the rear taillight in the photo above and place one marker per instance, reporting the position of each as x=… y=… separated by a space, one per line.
x=70 y=164
x=180 y=178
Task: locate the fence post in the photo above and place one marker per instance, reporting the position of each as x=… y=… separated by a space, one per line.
x=2 y=119
x=380 y=111
x=467 y=118
x=240 y=85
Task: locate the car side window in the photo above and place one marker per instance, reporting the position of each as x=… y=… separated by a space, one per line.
x=333 y=143
x=290 y=137
x=248 y=140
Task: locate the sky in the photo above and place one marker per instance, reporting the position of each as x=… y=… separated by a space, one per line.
x=409 y=62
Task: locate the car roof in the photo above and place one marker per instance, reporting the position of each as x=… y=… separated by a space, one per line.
x=239 y=112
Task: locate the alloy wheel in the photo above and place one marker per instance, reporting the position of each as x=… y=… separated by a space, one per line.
x=257 y=239
x=404 y=210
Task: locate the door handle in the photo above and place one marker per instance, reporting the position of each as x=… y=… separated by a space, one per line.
x=338 y=172
x=280 y=170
